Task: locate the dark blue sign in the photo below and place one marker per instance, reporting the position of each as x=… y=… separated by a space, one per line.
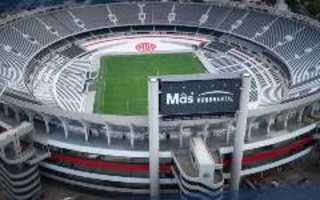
x=189 y=97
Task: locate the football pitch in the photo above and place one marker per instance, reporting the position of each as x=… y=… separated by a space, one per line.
x=121 y=87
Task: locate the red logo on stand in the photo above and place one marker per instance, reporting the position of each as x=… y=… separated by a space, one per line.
x=146 y=47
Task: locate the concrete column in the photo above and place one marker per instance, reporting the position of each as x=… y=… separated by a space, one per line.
x=2 y=151
x=17 y=147
x=317 y=107
x=229 y=131
x=206 y=132
x=181 y=136
x=300 y=115
x=286 y=119
x=108 y=134
x=46 y=123
x=16 y=114
x=30 y=118
x=65 y=128
x=251 y=124
x=237 y=154
x=153 y=111
x=85 y=131
x=6 y=110
x=314 y=108
x=131 y=136
x=249 y=131
x=271 y=121
x=311 y=112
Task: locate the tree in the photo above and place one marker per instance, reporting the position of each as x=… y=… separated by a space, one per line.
x=313 y=6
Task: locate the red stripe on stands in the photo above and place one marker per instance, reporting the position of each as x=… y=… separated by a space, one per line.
x=274 y=153
x=166 y=168
x=105 y=165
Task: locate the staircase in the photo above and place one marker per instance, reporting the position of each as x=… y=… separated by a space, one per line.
x=197 y=173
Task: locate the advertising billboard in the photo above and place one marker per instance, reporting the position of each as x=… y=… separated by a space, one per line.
x=199 y=96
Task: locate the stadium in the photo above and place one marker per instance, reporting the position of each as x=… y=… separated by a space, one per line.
x=79 y=75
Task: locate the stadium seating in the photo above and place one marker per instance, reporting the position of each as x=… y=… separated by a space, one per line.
x=36 y=30
x=265 y=78
x=278 y=31
x=192 y=14
x=50 y=58
x=11 y=68
x=126 y=13
x=14 y=39
x=159 y=11
x=58 y=26
x=295 y=43
x=66 y=18
x=305 y=65
x=216 y=16
x=70 y=85
x=93 y=17
x=306 y=38
x=43 y=83
x=234 y=20
x=254 y=24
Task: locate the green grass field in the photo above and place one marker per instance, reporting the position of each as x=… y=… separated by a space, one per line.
x=122 y=82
